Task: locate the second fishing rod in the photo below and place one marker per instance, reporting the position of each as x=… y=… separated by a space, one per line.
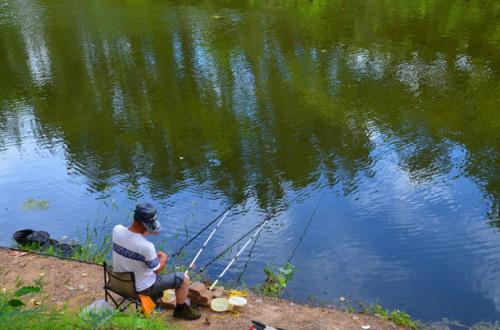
x=222 y=214
x=255 y=230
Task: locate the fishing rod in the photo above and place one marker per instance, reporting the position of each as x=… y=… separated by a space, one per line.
x=176 y=253
x=202 y=268
x=206 y=241
x=238 y=254
x=293 y=253
x=239 y=240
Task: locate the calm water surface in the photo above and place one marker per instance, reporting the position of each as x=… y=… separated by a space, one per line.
x=385 y=115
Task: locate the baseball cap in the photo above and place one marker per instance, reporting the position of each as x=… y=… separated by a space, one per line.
x=146 y=214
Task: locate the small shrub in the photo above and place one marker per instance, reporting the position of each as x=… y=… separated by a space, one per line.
x=397 y=317
x=276 y=281
x=402 y=319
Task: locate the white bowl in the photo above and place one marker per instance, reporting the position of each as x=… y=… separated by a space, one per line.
x=237 y=301
x=220 y=305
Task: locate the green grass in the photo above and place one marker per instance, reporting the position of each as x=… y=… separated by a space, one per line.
x=26 y=308
x=397 y=317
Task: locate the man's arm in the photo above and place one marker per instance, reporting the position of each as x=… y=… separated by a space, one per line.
x=163 y=258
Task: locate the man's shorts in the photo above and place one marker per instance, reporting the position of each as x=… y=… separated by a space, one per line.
x=162 y=283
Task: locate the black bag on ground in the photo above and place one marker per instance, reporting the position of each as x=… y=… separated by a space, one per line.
x=29 y=236
x=42 y=240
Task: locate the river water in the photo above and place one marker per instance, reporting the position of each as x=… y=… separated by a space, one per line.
x=368 y=131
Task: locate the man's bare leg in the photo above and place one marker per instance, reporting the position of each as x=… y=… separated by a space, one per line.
x=182 y=310
x=181 y=293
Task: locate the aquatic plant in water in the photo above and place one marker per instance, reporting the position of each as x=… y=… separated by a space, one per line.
x=32 y=204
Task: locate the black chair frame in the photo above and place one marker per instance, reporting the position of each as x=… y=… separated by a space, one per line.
x=119 y=303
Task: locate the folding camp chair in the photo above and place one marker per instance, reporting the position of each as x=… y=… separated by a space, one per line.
x=122 y=284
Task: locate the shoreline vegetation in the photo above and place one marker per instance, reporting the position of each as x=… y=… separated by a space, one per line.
x=38 y=305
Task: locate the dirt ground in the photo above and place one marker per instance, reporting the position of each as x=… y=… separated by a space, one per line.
x=75 y=284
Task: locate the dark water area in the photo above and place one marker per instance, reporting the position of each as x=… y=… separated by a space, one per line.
x=383 y=115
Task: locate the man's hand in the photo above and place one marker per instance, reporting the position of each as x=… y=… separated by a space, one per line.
x=163 y=258
x=162 y=255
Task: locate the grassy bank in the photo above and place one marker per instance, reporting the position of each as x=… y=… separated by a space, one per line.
x=26 y=307
x=273 y=286
x=69 y=286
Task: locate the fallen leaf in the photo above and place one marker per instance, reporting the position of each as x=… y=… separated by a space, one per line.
x=85 y=275
x=35 y=302
x=17 y=253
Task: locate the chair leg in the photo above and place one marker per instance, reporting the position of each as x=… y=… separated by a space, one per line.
x=122 y=304
x=117 y=305
x=125 y=306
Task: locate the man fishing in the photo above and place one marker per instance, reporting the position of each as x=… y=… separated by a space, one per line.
x=132 y=252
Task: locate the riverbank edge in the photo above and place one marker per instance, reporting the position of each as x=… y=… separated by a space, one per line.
x=75 y=284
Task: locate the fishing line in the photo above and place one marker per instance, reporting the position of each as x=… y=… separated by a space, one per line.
x=306 y=228
x=248 y=260
x=294 y=250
